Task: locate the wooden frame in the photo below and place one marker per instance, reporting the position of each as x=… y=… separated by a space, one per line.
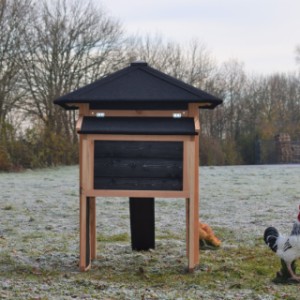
x=136 y=92
x=190 y=191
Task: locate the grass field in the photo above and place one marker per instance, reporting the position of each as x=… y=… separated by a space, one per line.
x=39 y=216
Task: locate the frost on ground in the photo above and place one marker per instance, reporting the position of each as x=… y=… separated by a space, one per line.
x=39 y=239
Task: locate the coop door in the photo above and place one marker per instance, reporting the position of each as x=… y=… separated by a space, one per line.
x=120 y=165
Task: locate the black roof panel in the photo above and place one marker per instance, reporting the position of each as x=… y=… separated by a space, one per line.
x=131 y=125
x=141 y=83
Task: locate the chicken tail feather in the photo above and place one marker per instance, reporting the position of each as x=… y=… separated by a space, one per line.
x=270 y=237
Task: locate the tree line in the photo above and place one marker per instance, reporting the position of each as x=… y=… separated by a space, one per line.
x=49 y=48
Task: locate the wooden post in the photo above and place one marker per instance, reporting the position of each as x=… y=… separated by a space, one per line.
x=196 y=199
x=93 y=227
x=192 y=203
x=86 y=205
x=192 y=211
x=84 y=260
x=187 y=225
x=142 y=223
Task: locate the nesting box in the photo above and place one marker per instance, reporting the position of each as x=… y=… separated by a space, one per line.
x=139 y=138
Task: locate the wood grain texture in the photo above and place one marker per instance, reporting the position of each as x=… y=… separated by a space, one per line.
x=138 y=184
x=193 y=111
x=138 y=193
x=138 y=165
x=142 y=149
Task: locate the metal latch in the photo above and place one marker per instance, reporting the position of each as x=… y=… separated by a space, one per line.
x=176 y=115
x=100 y=114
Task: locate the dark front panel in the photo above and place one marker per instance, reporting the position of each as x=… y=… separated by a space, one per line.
x=138 y=165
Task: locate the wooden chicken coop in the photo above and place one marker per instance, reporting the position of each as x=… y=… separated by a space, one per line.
x=139 y=139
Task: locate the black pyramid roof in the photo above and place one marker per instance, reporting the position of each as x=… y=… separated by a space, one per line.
x=140 y=84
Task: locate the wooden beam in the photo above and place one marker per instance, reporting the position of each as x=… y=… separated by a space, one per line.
x=79 y=123
x=193 y=111
x=125 y=137
x=83 y=109
x=137 y=193
x=139 y=113
x=86 y=160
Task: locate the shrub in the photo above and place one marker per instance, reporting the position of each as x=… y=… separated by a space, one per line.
x=211 y=152
x=5 y=162
x=231 y=154
x=38 y=147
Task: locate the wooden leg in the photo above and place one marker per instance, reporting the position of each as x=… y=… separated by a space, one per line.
x=187 y=221
x=192 y=208
x=191 y=262
x=196 y=235
x=93 y=227
x=85 y=251
x=196 y=201
x=192 y=235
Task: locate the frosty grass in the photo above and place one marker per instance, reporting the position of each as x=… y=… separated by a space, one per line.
x=39 y=238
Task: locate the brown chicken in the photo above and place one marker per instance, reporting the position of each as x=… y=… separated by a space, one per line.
x=207 y=235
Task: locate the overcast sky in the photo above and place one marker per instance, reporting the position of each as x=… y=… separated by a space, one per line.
x=261 y=33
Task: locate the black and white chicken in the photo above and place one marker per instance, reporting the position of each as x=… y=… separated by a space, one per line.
x=286 y=247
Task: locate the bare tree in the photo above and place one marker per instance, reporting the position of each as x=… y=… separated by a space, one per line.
x=155 y=50
x=191 y=63
x=234 y=82
x=279 y=108
x=13 y=23
x=70 y=43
